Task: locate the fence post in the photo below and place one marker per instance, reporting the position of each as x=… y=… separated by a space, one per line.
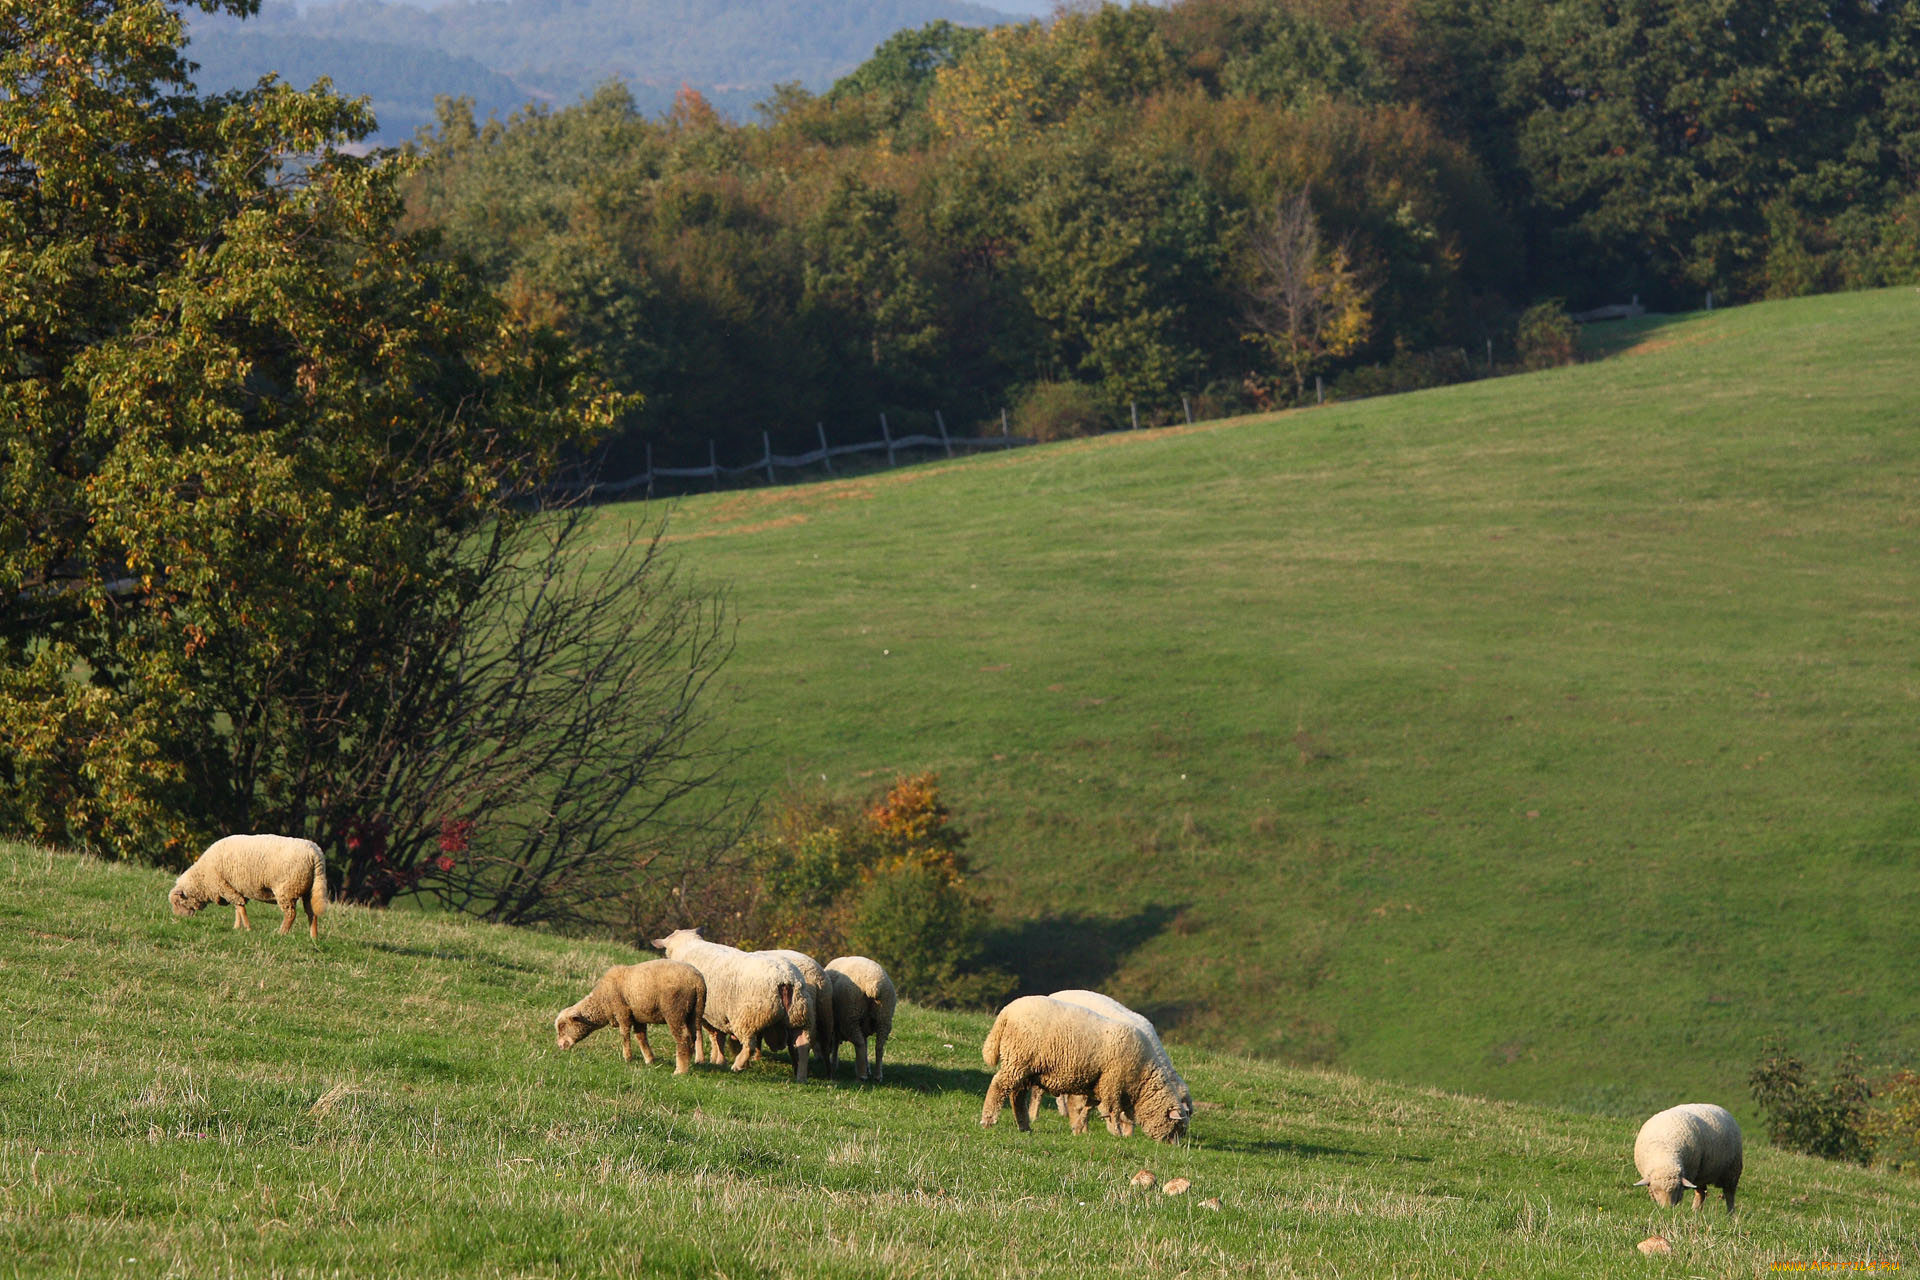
x=713 y=462
x=1709 y=299
x=1003 y=422
x=889 y=438
x=826 y=454
x=766 y=442
x=1319 y=390
x=1186 y=407
x=649 y=469
x=1489 y=353
x=942 y=424
x=1134 y=410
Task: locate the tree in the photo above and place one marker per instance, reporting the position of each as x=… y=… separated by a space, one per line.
x=1306 y=303
x=268 y=463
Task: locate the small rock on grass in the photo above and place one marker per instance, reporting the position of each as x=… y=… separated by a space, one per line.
x=1144 y=1179
x=1177 y=1187
x=1655 y=1245
x=1211 y=1202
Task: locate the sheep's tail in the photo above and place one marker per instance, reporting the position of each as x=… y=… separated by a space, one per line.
x=990 y=1051
x=317 y=900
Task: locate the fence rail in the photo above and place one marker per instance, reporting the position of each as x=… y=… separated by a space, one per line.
x=769 y=461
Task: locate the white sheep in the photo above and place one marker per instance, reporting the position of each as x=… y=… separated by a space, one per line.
x=633 y=995
x=283 y=869
x=751 y=997
x=863 y=1004
x=1040 y=1042
x=819 y=1004
x=1690 y=1147
x=1074 y=1105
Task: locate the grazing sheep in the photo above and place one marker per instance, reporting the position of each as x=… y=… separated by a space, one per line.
x=863 y=1003
x=633 y=995
x=750 y=996
x=1074 y=1106
x=1040 y=1042
x=285 y=869
x=1690 y=1147
x=819 y=1004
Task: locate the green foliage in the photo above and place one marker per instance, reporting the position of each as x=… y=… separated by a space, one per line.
x=267 y=555
x=1893 y=1125
x=1546 y=336
x=1061 y=411
x=1826 y=1119
x=889 y=881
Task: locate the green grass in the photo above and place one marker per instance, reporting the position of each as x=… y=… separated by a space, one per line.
x=1550 y=738
x=181 y=1100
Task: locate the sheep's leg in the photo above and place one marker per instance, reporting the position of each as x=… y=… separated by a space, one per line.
x=859 y=1054
x=313 y=919
x=289 y=910
x=1699 y=1198
x=997 y=1090
x=1112 y=1102
x=1727 y=1193
x=879 y=1049
x=746 y=1053
x=1076 y=1108
x=625 y=1020
x=685 y=1046
x=240 y=916
x=646 y=1050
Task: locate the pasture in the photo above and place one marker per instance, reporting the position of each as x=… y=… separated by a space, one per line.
x=180 y=1100
x=1547 y=738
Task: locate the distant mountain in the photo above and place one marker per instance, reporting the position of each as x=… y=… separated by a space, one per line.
x=504 y=53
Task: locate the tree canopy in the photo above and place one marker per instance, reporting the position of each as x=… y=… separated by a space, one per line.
x=265 y=458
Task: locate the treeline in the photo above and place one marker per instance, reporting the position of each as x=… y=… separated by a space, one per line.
x=1227 y=198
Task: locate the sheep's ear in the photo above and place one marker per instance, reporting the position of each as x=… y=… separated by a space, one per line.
x=1641 y=1183
x=1688 y=1185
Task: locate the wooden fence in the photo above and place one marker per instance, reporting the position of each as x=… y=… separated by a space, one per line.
x=768 y=461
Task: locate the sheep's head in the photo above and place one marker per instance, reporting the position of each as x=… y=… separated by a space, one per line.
x=1667 y=1189
x=679 y=937
x=184 y=904
x=571 y=1027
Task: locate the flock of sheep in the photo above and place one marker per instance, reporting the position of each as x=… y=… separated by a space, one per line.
x=1088 y=1050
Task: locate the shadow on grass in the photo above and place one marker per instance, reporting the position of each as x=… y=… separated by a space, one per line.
x=1058 y=953
x=486 y=958
x=1607 y=338
x=928 y=1079
x=1298 y=1150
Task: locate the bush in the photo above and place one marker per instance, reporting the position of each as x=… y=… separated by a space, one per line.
x=828 y=878
x=1407 y=371
x=1060 y=411
x=1827 y=1119
x=1893 y=1129
x=1546 y=336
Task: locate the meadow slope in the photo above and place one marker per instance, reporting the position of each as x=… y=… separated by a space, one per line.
x=1552 y=738
x=182 y=1100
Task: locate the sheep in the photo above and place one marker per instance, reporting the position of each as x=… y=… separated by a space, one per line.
x=1074 y=1106
x=819 y=1005
x=750 y=996
x=1041 y=1042
x=1690 y=1147
x=286 y=869
x=863 y=1003
x=633 y=995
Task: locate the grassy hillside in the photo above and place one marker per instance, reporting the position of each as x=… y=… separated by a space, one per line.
x=1552 y=738
x=182 y=1100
